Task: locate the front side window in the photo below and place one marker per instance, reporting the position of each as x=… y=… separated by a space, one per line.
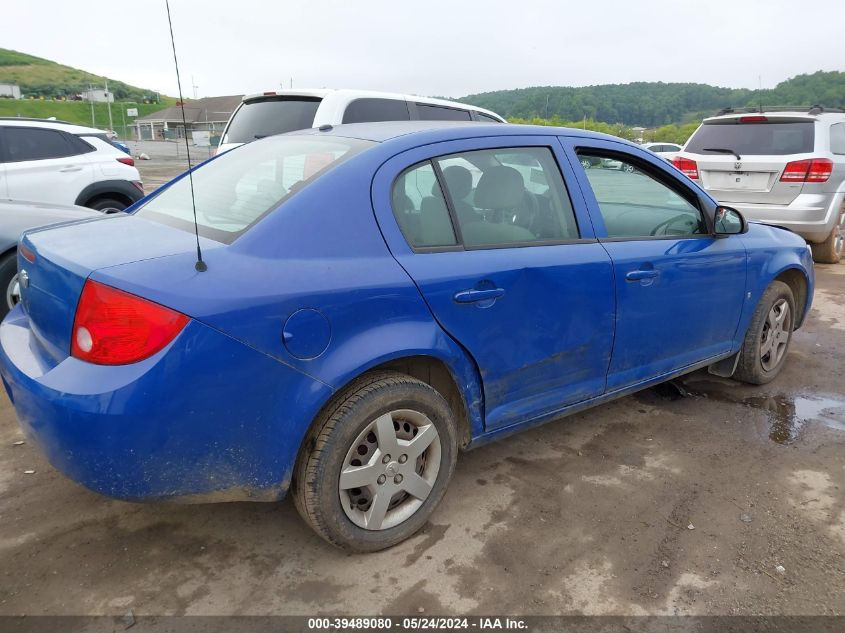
x=633 y=204
x=235 y=190
x=496 y=197
x=25 y=143
x=369 y=110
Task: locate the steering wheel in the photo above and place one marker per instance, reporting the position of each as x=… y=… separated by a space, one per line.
x=666 y=225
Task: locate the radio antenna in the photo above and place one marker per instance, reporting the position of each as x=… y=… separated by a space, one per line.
x=201 y=266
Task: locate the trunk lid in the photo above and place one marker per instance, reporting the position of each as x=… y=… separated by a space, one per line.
x=65 y=256
x=754 y=179
x=741 y=158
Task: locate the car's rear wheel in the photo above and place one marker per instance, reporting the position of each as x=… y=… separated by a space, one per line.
x=107 y=205
x=376 y=463
x=768 y=337
x=9 y=283
x=830 y=251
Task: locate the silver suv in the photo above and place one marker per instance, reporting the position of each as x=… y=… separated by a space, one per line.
x=783 y=167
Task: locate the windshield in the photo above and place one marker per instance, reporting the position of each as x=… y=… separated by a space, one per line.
x=236 y=189
x=764 y=139
x=268 y=116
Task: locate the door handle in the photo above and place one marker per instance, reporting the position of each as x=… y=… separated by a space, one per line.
x=474 y=296
x=71 y=168
x=638 y=275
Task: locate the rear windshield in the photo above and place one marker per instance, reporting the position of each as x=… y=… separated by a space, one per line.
x=768 y=139
x=272 y=115
x=236 y=189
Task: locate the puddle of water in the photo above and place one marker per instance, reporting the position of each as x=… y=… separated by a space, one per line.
x=787 y=413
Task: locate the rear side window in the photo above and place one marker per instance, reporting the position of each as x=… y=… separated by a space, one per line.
x=23 y=144
x=427 y=112
x=236 y=189
x=837 y=138
x=764 y=139
x=486 y=118
x=500 y=197
x=420 y=208
x=269 y=116
x=368 y=110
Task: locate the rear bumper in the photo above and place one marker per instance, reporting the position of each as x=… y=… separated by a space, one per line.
x=812 y=216
x=205 y=419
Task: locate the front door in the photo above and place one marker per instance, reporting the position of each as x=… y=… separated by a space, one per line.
x=43 y=166
x=679 y=289
x=508 y=266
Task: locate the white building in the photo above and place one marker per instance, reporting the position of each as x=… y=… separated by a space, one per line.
x=98 y=96
x=10 y=90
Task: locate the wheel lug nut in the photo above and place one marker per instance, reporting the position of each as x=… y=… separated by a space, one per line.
x=385 y=459
x=403 y=459
x=397 y=479
x=381 y=479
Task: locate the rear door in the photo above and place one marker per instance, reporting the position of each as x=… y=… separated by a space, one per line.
x=763 y=145
x=508 y=265
x=45 y=165
x=679 y=290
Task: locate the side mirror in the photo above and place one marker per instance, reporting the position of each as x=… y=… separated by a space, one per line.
x=729 y=221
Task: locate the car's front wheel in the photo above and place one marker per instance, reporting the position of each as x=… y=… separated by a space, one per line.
x=9 y=283
x=107 y=205
x=768 y=337
x=376 y=463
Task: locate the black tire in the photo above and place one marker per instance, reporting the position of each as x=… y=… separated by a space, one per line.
x=750 y=367
x=107 y=205
x=316 y=485
x=8 y=271
x=830 y=251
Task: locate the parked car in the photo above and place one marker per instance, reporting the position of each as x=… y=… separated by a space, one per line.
x=58 y=163
x=781 y=167
x=277 y=112
x=375 y=298
x=666 y=151
x=15 y=218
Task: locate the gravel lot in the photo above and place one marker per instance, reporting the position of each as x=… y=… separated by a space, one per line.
x=593 y=514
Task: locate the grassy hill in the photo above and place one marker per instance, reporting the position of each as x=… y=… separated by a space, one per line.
x=76 y=111
x=40 y=77
x=652 y=104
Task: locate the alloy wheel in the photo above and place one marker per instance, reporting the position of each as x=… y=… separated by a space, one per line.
x=13 y=292
x=775 y=336
x=390 y=469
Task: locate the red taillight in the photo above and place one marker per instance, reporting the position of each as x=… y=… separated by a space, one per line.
x=112 y=327
x=809 y=170
x=688 y=166
x=27 y=254
x=269 y=94
x=753 y=119
x=126 y=160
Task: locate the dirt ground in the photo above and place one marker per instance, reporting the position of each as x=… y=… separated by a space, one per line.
x=727 y=500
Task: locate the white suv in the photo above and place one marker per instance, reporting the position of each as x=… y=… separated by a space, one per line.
x=281 y=111
x=49 y=161
x=783 y=167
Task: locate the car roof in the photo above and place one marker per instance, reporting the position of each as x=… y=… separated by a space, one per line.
x=50 y=124
x=780 y=114
x=348 y=93
x=435 y=131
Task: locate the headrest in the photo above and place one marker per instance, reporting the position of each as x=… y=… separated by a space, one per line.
x=499 y=188
x=459 y=181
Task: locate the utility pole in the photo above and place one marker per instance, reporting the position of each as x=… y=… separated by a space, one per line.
x=108 y=104
x=91 y=101
x=194 y=86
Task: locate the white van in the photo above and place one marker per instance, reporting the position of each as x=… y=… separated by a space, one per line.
x=280 y=111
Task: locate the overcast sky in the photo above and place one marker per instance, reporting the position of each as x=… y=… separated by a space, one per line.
x=450 y=48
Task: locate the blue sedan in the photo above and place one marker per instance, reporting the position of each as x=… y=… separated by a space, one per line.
x=378 y=297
